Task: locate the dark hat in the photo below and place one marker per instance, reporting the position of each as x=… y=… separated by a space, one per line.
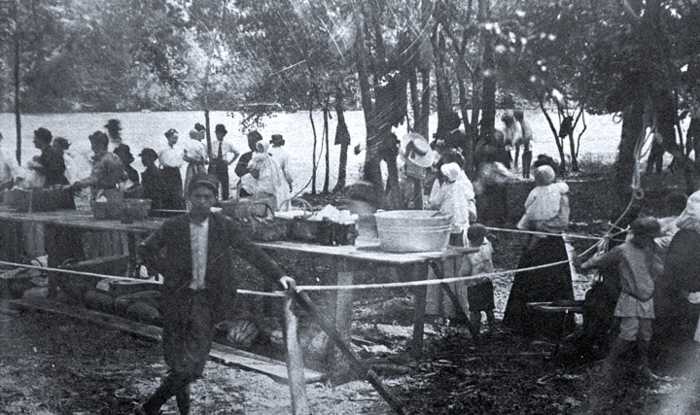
x=149 y=152
x=199 y=127
x=220 y=129
x=124 y=153
x=476 y=232
x=43 y=134
x=170 y=132
x=203 y=179
x=99 y=137
x=646 y=227
x=276 y=138
x=113 y=124
x=62 y=143
x=255 y=135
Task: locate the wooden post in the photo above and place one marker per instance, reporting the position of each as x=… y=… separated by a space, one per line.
x=343 y=320
x=419 y=272
x=295 y=361
x=306 y=304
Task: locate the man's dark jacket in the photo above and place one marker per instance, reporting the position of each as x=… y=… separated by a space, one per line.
x=168 y=251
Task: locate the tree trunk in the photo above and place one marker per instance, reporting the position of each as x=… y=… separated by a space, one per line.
x=327 y=176
x=313 y=155
x=423 y=123
x=16 y=73
x=488 y=94
x=464 y=110
x=560 y=144
x=420 y=101
x=632 y=126
x=207 y=126
x=342 y=137
x=572 y=143
x=371 y=171
x=442 y=81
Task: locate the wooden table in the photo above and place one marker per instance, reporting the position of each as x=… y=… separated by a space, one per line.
x=350 y=259
x=346 y=260
x=83 y=220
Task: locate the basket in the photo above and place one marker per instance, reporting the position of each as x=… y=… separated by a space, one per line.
x=137 y=209
x=412 y=230
x=108 y=210
x=323 y=232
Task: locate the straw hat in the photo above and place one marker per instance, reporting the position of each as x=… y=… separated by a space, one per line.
x=418 y=150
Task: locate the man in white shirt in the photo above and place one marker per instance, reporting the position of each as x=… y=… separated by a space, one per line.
x=223 y=154
x=171 y=159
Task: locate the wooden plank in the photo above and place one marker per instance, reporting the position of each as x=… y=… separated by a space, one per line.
x=367 y=253
x=220 y=353
x=140 y=330
x=79 y=219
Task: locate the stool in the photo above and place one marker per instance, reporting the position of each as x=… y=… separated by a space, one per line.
x=576 y=307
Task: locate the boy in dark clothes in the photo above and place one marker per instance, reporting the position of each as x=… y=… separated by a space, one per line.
x=479 y=295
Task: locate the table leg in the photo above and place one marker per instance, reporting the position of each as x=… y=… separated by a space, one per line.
x=132 y=268
x=343 y=321
x=418 y=272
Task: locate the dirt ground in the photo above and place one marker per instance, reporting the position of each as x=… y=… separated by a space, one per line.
x=54 y=365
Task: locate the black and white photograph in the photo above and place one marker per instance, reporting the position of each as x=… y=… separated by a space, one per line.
x=349 y=207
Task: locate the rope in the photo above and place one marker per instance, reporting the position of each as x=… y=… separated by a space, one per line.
x=425 y=282
x=261 y=293
x=74 y=272
x=564 y=235
x=118 y=278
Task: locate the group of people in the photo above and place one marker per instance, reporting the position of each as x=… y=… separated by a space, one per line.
x=262 y=170
x=653 y=274
x=515 y=134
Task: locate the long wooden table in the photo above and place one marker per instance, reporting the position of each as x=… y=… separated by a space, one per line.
x=346 y=261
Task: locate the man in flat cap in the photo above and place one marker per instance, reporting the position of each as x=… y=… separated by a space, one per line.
x=194 y=253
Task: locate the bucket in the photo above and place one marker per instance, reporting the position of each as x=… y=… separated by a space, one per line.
x=412 y=230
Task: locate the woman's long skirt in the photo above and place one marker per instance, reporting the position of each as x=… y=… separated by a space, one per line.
x=541 y=285
x=171 y=180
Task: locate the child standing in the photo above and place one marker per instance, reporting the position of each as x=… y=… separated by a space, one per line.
x=479 y=295
x=635 y=306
